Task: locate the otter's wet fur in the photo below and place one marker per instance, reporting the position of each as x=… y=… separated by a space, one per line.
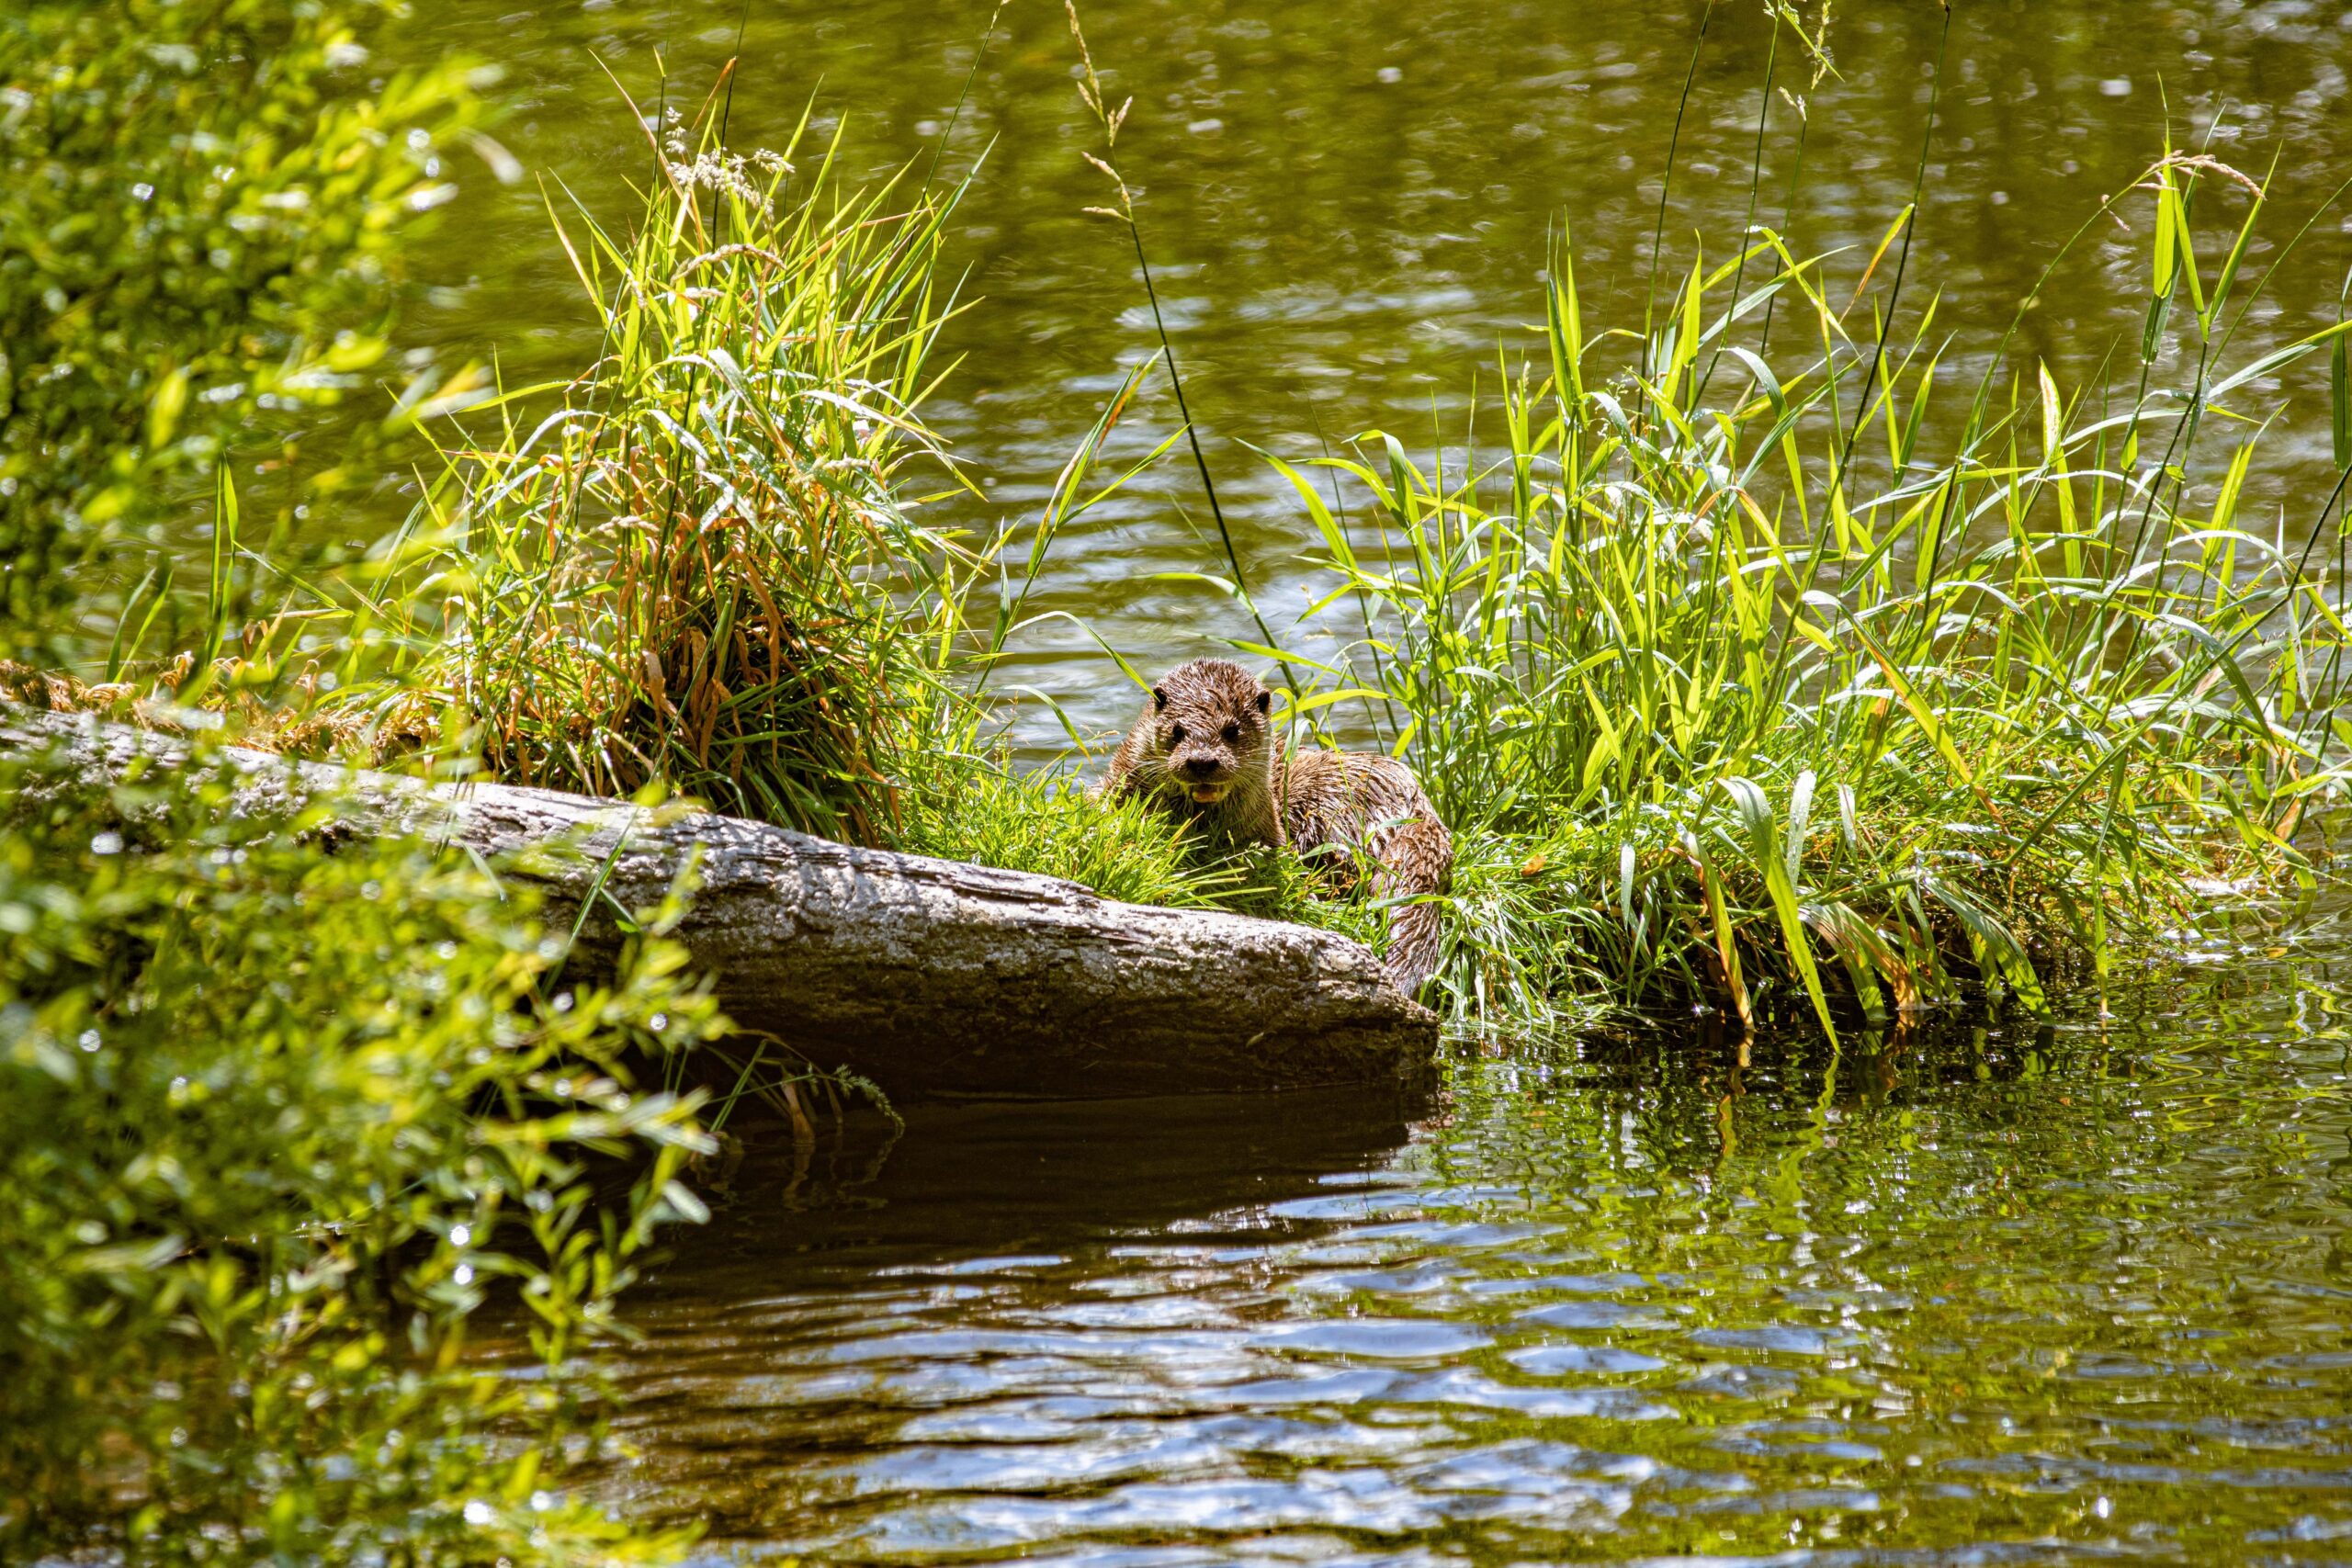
x=1205 y=751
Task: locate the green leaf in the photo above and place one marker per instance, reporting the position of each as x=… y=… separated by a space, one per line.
x=2167 y=247
x=1998 y=951
x=1764 y=843
x=2339 y=402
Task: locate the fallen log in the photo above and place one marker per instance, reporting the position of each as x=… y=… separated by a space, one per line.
x=930 y=976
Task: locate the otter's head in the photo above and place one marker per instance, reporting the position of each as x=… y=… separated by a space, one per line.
x=1209 y=724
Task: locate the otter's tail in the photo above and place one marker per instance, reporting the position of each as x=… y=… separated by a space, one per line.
x=1416 y=857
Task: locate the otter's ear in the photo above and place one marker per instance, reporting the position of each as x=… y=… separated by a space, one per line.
x=1159 y=699
x=1265 y=701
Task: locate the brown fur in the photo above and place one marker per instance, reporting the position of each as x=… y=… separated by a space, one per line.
x=1205 y=728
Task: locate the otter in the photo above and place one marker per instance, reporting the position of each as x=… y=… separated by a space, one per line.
x=1205 y=750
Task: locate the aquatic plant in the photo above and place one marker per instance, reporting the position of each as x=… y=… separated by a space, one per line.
x=1774 y=677
x=695 y=562
x=1787 y=670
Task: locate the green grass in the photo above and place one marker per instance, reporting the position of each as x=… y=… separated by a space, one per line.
x=1046 y=823
x=1793 y=677
x=1759 y=661
x=1761 y=664
x=694 y=564
x=1813 y=678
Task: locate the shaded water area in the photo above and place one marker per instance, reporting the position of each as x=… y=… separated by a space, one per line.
x=2024 y=1292
x=1347 y=208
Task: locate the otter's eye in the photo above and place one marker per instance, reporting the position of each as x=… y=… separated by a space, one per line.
x=1175 y=735
x=1233 y=734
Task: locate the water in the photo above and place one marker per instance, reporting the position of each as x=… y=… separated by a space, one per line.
x=1347 y=207
x=2081 y=1289
x=2026 y=1293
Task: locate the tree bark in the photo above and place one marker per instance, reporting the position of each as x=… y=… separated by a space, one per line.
x=930 y=976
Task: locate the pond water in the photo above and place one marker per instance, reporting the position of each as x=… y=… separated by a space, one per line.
x=1347 y=207
x=2019 y=1293
x=2081 y=1289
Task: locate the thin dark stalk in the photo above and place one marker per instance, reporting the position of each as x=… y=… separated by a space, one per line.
x=1903 y=258
x=939 y=148
x=2302 y=562
x=1666 y=184
x=1091 y=92
x=1190 y=434
x=1747 y=226
x=1788 y=221
x=727 y=103
x=2342 y=300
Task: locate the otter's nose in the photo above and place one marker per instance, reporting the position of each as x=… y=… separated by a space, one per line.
x=1200 y=767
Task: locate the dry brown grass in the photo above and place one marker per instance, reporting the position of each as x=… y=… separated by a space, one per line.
x=246 y=702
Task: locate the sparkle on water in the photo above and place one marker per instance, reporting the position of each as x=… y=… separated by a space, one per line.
x=2011 y=1293
x=2008 y=1295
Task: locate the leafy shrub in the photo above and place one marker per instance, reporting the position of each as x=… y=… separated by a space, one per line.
x=200 y=212
x=274 y=1121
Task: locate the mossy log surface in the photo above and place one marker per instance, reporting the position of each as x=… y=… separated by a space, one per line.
x=931 y=977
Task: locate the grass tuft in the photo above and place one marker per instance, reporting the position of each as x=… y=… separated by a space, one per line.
x=695 y=562
x=1740 y=696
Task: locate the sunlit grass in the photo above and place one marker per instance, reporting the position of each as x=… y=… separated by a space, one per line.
x=1758 y=660
x=1759 y=663
x=1808 y=677
x=695 y=562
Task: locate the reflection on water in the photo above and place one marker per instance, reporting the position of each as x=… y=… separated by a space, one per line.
x=2011 y=1295
x=1347 y=205
x=2008 y=1296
